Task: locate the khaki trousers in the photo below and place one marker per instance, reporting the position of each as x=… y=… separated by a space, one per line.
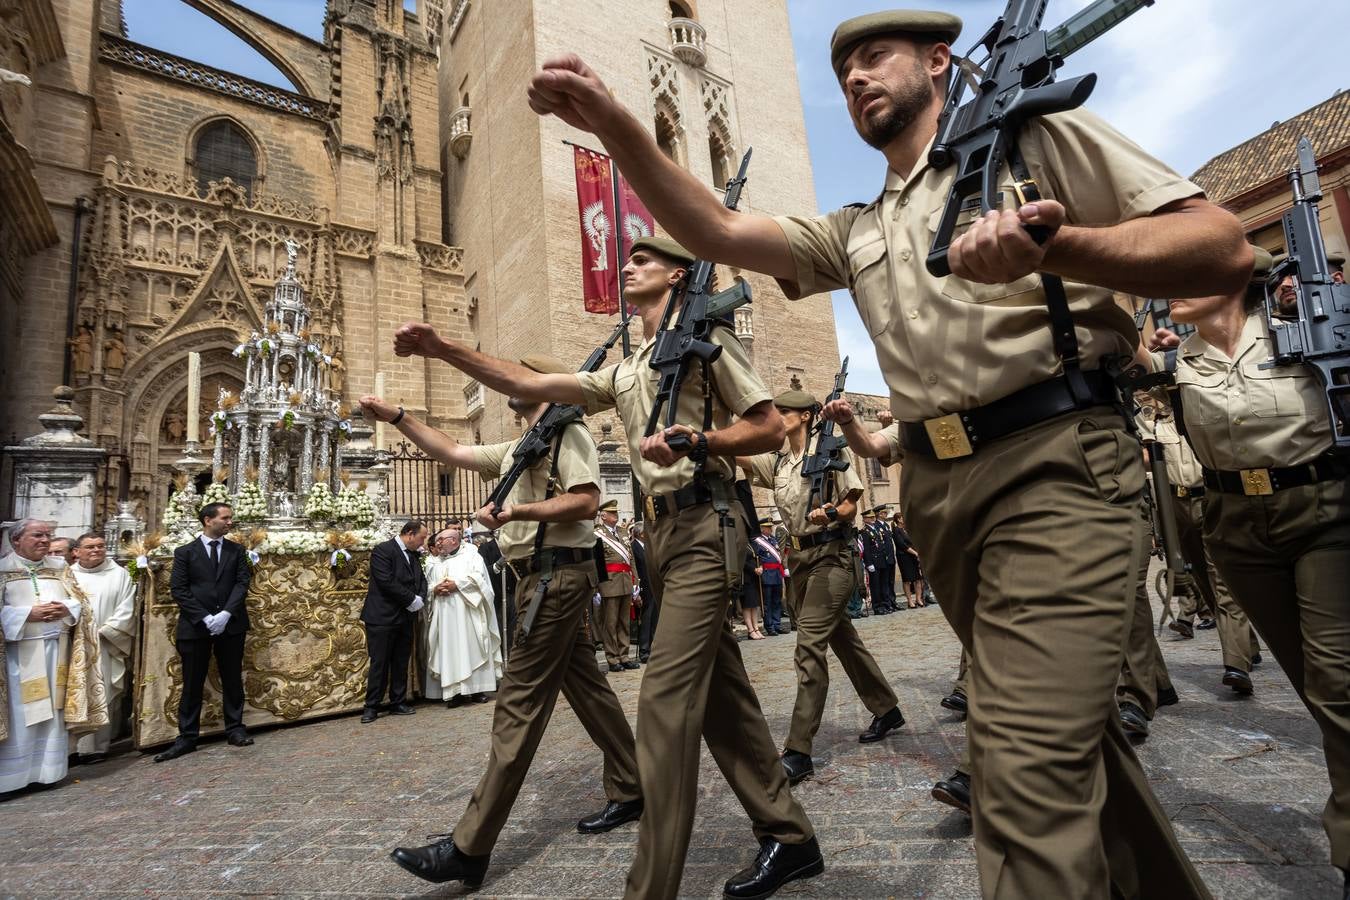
x=615 y=617
x=1032 y=546
x=1286 y=558
x=1144 y=672
x=695 y=685
x=1236 y=637
x=556 y=656
x=823 y=576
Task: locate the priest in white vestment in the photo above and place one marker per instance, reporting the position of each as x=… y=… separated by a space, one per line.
x=112 y=601
x=50 y=675
x=464 y=647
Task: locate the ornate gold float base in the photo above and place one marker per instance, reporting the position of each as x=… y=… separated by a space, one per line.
x=305 y=655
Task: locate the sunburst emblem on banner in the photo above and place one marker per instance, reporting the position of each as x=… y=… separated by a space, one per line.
x=595 y=221
x=635 y=227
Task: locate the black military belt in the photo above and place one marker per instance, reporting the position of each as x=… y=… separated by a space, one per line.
x=1188 y=493
x=807 y=541
x=1263 y=482
x=962 y=433
x=661 y=505
x=562 y=556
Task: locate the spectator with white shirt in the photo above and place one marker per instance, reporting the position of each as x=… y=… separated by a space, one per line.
x=397 y=590
x=210 y=583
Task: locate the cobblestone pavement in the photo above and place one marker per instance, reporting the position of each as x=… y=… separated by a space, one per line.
x=314 y=809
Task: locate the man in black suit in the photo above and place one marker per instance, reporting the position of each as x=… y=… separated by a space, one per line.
x=398 y=588
x=209 y=583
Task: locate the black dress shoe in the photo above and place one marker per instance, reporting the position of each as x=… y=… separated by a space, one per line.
x=1134 y=721
x=644 y=657
x=441 y=862
x=1168 y=697
x=956 y=702
x=478 y=697
x=1183 y=628
x=1206 y=624
x=612 y=816
x=797 y=766
x=369 y=715
x=776 y=865
x=882 y=726
x=954 y=791
x=615 y=667
x=239 y=739
x=402 y=709
x=632 y=664
x=179 y=748
x=1238 y=680
x=1256 y=659
x=89 y=759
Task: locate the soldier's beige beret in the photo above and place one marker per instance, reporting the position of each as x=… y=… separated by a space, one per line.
x=794 y=399
x=664 y=246
x=545 y=364
x=1264 y=263
x=941 y=26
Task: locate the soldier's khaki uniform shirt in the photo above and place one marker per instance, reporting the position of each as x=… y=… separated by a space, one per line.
x=630 y=387
x=1182 y=466
x=791 y=491
x=945 y=344
x=578 y=465
x=1240 y=416
x=895 y=452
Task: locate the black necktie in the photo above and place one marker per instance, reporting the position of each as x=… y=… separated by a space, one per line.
x=215 y=554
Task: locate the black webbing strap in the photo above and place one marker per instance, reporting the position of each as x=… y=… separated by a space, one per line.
x=545 y=562
x=1056 y=301
x=1174 y=391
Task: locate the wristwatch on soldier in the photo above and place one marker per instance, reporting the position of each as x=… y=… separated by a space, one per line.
x=699 y=453
x=832 y=513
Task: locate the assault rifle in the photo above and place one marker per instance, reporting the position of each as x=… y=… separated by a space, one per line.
x=539 y=440
x=821 y=465
x=1318 y=334
x=1013 y=81
x=678 y=346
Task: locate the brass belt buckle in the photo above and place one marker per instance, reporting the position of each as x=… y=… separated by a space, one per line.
x=1019 y=188
x=795 y=542
x=948 y=437
x=649 y=504
x=1256 y=482
x=1182 y=491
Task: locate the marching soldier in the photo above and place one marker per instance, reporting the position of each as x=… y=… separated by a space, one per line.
x=820 y=553
x=544 y=534
x=1022 y=484
x=1145 y=683
x=695 y=684
x=616 y=592
x=1237 y=639
x=1277 y=510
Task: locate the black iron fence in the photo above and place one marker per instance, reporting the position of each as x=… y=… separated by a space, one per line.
x=422 y=488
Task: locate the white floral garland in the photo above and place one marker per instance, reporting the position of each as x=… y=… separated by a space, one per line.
x=319 y=504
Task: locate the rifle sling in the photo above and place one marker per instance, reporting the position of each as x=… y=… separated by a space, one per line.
x=1056 y=301
x=545 y=560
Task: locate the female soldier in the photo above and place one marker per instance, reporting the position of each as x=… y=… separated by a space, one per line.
x=1277 y=510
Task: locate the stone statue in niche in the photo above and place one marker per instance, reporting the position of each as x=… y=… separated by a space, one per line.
x=82 y=351
x=114 y=353
x=175 y=426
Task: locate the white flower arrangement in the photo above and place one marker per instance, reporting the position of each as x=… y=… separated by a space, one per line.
x=354 y=505
x=179 y=507
x=319 y=504
x=249 y=504
x=293 y=543
x=216 y=492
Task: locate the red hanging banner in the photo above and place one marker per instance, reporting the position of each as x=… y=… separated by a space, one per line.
x=637 y=222
x=595 y=204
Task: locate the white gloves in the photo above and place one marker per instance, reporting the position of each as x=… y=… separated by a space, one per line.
x=871 y=568
x=216 y=624
x=417 y=604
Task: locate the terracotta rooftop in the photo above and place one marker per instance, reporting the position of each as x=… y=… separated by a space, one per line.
x=1271 y=153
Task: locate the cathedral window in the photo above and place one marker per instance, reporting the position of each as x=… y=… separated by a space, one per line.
x=224 y=151
x=720 y=154
x=681 y=10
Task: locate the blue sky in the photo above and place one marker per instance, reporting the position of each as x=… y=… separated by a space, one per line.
x=1186 y=79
